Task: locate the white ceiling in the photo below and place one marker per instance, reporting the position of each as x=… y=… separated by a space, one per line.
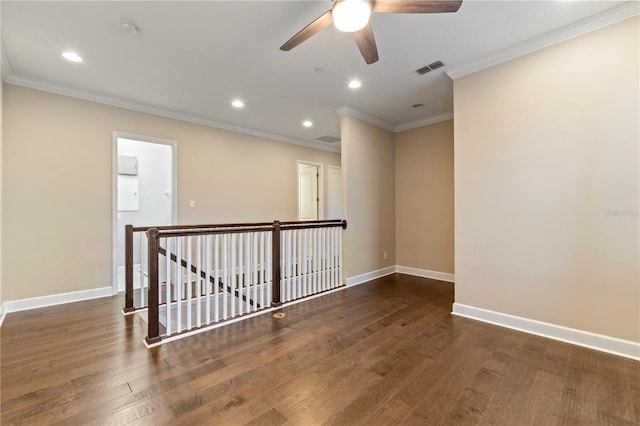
x=191 y=59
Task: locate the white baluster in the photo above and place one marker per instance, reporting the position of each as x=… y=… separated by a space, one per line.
x=207 y=281
x=316 y=261
x=322 y=253
x=216 y=276
x=303 y=262
x=298 y=290
x=247 y=271
x=178 y=286
x=142 y=248
x=268 y=262
x=199 y=280
x=340 y=256
x=239 y=272
x=233 y=274
x=225 y=275
x=263 y=269
x=333 y=257
x=168 y=287
x=189 y=281
x=256 y=265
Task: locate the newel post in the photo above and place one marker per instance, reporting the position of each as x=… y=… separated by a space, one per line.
x=153 y=335
x=275 y=264
x=128 y=269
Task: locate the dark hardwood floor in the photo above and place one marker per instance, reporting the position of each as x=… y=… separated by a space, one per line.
x=383 y=353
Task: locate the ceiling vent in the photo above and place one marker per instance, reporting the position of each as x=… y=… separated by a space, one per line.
x=430 y=67
x=328 y=139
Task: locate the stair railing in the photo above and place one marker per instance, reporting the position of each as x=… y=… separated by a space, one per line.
x=203 y=275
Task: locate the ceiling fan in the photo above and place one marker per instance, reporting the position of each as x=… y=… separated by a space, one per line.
x=353 y=16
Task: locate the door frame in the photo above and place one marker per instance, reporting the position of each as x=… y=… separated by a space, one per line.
x=330 y=188
x=114 y=192
x=320 y=186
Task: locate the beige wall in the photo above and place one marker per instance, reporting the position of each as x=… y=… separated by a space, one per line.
x=57 y=185
x=368 y=173
x=547 y=184
x=424 y=197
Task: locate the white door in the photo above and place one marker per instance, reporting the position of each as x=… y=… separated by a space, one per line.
x=334 y=193
x=308 y=200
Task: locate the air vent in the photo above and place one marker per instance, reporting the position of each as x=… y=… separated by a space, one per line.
x=328 y=139
x=423 y=70
x=430 y=67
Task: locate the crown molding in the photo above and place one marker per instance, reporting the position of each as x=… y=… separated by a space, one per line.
x=347 y=110
x=567 y=32
x=87 y=95
x=424 y=122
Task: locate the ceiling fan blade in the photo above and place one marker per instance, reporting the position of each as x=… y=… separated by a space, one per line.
x=416 y=6
x=367 y=44
x=315 y=27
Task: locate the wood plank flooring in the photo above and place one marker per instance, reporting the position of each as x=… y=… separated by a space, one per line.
x=383 y=353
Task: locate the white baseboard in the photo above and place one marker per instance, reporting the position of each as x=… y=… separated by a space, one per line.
x=368 y=276
x=425 y=273
x=2 y=314
x=599 y=342
x=56 y=299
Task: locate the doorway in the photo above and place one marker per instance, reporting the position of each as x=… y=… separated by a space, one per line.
x=309 y=191
x=144 y=193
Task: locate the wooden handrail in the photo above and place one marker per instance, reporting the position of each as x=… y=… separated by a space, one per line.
x=234 y=225
x=227 y=225
x=212 y=231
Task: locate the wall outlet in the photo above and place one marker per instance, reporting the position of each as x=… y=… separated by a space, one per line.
x=384 y=255
x=192 y=203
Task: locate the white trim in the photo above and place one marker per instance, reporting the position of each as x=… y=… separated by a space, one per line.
x=368 y=276
x=425 y=273
x=567 y=32
x=347 y=110
x=2 y=314
x=599 y=342
x=20 y=80
x=56 y=299
x=330 y=192
x=424 y=122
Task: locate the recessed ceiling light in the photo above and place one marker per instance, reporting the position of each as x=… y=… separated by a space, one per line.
x=237 y=103
x=307 y=123
x=355 y=84
x=72 y=56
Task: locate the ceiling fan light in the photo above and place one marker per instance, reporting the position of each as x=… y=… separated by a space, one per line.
x=351 y=15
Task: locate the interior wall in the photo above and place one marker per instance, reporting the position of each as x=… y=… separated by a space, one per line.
x=368 y=173
x=424 y=197
x=547 y=184
x=57 y=186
